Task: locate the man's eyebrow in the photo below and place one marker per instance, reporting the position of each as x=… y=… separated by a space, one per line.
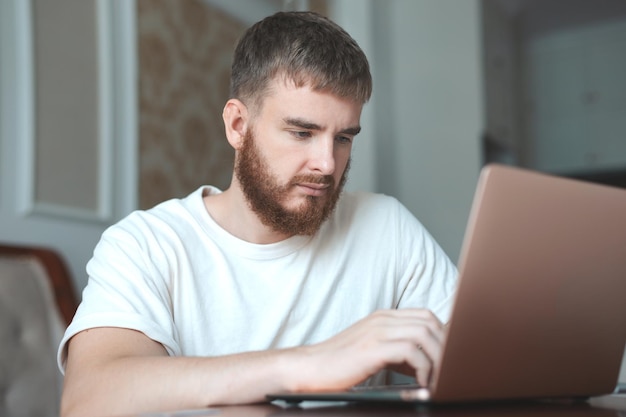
x=353 y=131
x=303 y=124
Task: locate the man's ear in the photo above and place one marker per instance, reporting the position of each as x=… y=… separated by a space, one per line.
x=236 y=122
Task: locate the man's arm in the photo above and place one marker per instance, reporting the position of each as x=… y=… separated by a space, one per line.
x=113 y=371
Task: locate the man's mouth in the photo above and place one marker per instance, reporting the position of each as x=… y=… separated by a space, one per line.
x=314 y=189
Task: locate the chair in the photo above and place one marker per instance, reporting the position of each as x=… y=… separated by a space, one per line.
x=37 y=302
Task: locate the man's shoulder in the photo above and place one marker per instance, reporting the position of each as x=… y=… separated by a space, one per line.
x=169 y=213
x=191 y=202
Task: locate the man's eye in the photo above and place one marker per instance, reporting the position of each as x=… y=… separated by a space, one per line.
x=344 y=139
x=301 y=134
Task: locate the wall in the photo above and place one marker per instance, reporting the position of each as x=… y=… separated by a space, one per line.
x=501 y=77
x=430 y=110
x=572 y=88
x=356 y=17
x=66 y=124
x=538 y=17
x=185 y=51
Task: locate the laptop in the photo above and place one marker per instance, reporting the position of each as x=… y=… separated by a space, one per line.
x=540 y=308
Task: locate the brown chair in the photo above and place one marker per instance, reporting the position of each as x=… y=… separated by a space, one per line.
x=37 y=302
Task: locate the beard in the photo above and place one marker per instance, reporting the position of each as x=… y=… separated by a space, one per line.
x=266 y=196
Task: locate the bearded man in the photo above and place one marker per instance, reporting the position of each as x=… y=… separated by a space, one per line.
x=280 y=282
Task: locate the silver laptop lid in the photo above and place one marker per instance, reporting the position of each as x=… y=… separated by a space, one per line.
x=541 y=303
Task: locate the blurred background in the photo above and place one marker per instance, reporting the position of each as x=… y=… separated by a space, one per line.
x=108 y=106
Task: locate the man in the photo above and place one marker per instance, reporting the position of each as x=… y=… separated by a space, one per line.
x=276 y=283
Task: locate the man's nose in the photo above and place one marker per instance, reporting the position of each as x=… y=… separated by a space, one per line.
x=323 y=156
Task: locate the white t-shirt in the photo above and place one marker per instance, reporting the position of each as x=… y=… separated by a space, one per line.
x=174 y=274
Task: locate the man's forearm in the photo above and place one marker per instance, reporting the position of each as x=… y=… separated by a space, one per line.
x=157 y=383
x=114 y=371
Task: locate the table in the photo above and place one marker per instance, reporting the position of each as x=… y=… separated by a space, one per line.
x=607 y=406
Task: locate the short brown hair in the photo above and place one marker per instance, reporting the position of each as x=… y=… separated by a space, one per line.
x=305 y=48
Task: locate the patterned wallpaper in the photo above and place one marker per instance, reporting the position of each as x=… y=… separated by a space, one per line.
x=185 y=50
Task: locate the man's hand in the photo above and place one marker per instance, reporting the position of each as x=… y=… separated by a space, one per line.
x=387 y=338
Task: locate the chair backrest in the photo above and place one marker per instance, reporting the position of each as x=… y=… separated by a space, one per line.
x=37 y=302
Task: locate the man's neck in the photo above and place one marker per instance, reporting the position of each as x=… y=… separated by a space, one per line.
x=232 y=212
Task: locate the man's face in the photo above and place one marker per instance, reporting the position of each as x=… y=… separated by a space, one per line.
x=295 y=156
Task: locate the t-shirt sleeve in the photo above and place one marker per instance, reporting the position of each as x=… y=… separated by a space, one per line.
x=428 y=278
x=128 y=286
